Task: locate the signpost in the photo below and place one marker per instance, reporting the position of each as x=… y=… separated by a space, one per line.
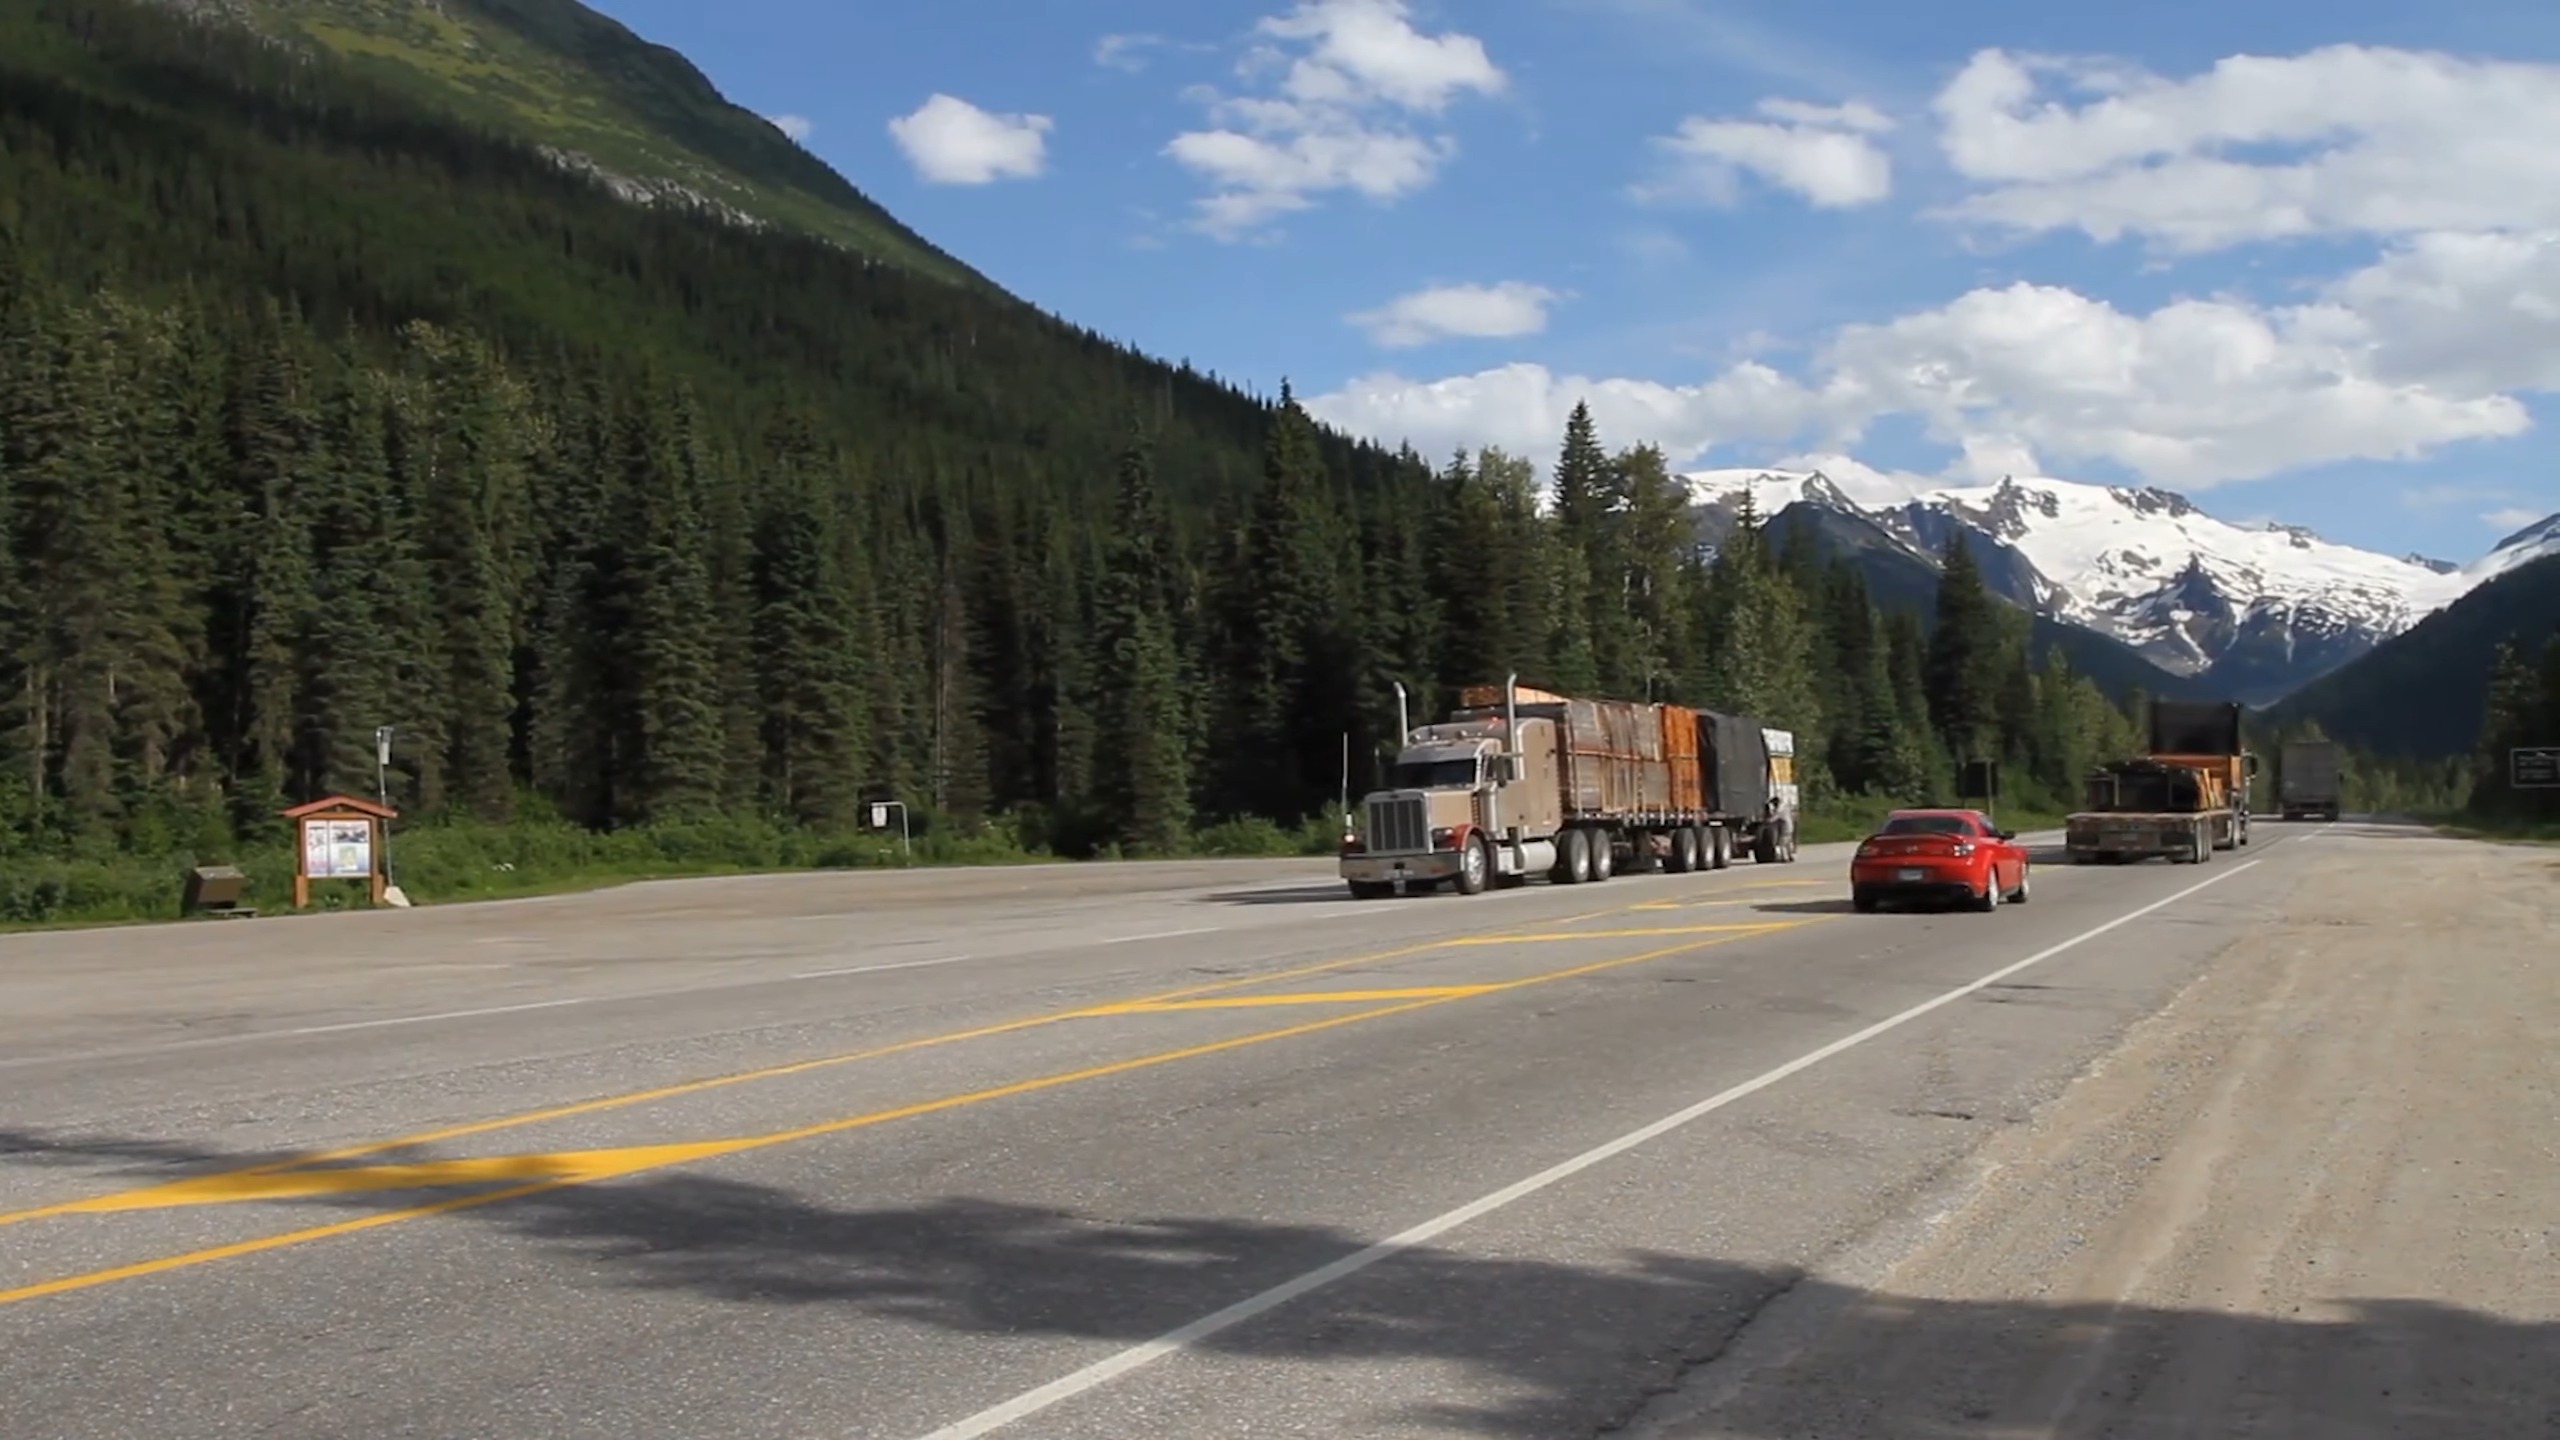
x=880 y=821
x=340 y=837
x=2534 y=767
x=1980 y=780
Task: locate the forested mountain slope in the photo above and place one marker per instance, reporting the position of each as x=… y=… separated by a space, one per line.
x=589 y=93
x=2423 y=694
x=323 y=407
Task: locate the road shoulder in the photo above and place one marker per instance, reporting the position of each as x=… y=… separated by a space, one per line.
x=2312 y=1193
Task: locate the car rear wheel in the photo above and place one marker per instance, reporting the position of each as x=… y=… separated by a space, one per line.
x=2019 y=895
x=1863 y=901
x=1989 y=899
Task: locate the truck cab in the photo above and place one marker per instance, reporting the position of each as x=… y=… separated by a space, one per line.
x=1462 y=807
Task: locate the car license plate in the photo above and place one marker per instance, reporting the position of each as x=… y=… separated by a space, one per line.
x=1913 y=874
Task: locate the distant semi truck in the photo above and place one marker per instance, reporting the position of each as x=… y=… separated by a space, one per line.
x=2184 y=800
x=1522 y=782
x=2310 y=785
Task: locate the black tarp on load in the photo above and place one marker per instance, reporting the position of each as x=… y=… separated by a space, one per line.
x=1736 y=764
x=2195 y=727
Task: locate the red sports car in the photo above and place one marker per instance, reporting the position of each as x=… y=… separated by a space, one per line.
x=1945 y=855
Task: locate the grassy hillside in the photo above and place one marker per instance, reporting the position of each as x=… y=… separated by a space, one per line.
x=2423 y=694
x=559 y=75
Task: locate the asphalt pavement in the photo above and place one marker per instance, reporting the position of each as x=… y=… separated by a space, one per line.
x=1188 y=1150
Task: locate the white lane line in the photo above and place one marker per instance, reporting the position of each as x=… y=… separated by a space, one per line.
x=1161 y=935
x=876 y=969
x=1103 y=1372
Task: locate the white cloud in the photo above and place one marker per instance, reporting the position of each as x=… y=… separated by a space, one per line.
x=1124 y=52
x=1824 y=153
x=2370 y=141
x=795 y=126
x=1522 y=408
x=2511 y=520
x=2475 y=313
x=1337 y=116
x=2196 y=393
x=1458 y=311
x=952 y=142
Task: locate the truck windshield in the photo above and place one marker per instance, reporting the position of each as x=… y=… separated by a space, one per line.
x=1436 y=774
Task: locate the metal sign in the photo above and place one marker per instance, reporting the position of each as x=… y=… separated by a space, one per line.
x=1980 y=780
x=2534 y=767
x=879 y=817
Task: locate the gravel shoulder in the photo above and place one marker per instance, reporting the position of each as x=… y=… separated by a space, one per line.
x=2318 y=1194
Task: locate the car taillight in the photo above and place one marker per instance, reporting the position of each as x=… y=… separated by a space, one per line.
x=1963 y=849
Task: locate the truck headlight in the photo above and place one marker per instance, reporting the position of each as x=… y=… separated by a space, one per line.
x=1444 y=838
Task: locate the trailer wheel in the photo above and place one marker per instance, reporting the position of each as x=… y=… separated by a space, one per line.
x=1764 y=847
x=1573 y=856
x=1720 y=847
x=1604 y=855
x=1684 y=850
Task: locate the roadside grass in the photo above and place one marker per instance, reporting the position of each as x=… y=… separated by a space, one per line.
x=444 y=862
x=2497 y=830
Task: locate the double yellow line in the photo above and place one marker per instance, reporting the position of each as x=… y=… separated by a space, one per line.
x=297 y=1177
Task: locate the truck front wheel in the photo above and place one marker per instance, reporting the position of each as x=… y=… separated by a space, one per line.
x=1473 y=868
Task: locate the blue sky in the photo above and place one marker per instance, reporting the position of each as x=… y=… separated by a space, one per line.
x=2319 y=284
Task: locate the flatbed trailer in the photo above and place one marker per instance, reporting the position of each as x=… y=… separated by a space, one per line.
x=2151 y=809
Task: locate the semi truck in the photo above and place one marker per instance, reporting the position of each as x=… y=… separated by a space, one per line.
x=1523 y=782
x=2205 y=734
x=2187 y=797
x=2309 y=785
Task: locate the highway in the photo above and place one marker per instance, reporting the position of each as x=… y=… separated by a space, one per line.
x=1210 y=1150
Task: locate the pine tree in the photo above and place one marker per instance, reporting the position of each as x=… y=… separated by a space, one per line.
x=668 y=763
x=1655 y=541
x=1963 y=665
x=807 y=671
x=1142 y=781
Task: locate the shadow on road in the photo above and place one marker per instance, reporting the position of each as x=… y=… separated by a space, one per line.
x=1334 y=891
x=1839 y=906
x=1551 y=1349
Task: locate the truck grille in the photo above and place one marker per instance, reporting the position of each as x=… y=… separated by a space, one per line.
x=1397 y=825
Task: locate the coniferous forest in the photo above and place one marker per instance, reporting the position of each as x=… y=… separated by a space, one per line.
x=320 y=412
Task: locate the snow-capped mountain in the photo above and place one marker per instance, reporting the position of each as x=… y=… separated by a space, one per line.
x=2260 y=610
